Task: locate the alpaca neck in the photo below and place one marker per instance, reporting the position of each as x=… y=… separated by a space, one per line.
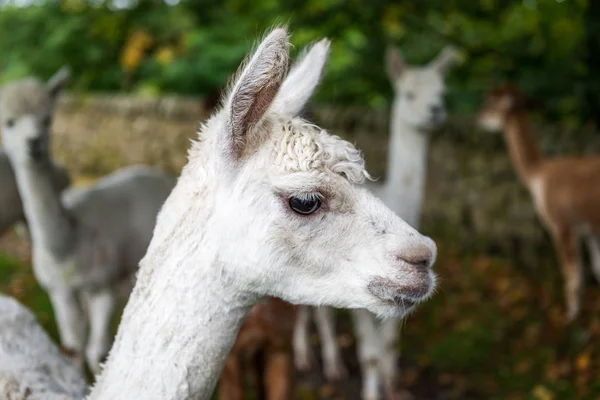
x=183 y=316
x=50 y=224
x=523 y=150
x=407 y=167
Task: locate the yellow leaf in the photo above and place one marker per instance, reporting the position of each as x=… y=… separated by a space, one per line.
x=541 y=393
x=583 y=362
x=165 y=55
x=73 y=5
x=131 y=59
x=502 y=284
x=391 y=21
x=132 y=53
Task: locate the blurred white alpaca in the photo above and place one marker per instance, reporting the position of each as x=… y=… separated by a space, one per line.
x=268 y=205
x=31 y=366
x=86 y=243
x=418 y=108
x=11 y=206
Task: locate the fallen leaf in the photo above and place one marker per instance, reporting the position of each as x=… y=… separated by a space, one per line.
x=542 y=393
x=326 y=390
x=583 y=362
x=410 y=377
x=523 y=367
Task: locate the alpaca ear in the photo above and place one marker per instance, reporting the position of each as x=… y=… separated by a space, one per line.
x=446 y=59
x=395 y=64
x=302 y=79
x=58 y=81
x=254 y=90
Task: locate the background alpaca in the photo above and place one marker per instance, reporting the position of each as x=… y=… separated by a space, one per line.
x=87 y=243
x=563 y=189
x=418 y=108
x=31 y=367
x=267 y=205
x=11 y=207
x=264 y=347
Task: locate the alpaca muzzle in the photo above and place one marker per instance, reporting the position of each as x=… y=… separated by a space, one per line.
x=37 y=149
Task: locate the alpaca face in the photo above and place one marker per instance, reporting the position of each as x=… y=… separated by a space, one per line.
x=419 y=91
x=26 y=109
x=286 y=197
x=496 y=107
x=301 y=216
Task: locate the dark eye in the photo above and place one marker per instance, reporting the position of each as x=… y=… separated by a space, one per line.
x=47 y=122
x=306 y=204
x=409 y=96
x=10 y=123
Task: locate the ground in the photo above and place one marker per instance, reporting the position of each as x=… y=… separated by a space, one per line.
x=493 y=331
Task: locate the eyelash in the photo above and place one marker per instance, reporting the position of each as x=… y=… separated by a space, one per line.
x=310 y=196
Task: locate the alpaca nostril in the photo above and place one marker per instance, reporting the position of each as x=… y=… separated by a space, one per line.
x=436 y=109
x=36 y=148
x=421 y=258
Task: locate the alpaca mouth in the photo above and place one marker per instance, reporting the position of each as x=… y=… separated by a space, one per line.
x=37 y=149
x=404 y=295
x=437 y=120
x=404 y=304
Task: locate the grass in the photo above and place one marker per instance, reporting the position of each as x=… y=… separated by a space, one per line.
x=492 y=332
x=496 y=332
x=17 y=280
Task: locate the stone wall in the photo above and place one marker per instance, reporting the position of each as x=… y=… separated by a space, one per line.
x=473 y=197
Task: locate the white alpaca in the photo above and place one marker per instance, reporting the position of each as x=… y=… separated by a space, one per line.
x=87 y=243
x=266 y=206
x=11 y=206
x=418 y=107
x=31 y=367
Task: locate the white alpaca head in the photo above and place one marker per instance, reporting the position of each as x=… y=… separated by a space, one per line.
x=26 y=109
x=281 y=199
x=420 y=91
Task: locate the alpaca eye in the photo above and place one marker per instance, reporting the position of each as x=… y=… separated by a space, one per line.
x=47 y=122
x=305 y=205
x=10 y=123
x=409 y=96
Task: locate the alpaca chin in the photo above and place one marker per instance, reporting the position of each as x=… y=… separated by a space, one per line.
x=403 y=296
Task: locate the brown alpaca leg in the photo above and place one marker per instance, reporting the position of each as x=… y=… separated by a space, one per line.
x=259 y=368
x=565 y=242
x=231 y=385
x=279 y=374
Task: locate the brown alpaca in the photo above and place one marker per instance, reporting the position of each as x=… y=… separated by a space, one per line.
x=264 y=344
x=565 y=190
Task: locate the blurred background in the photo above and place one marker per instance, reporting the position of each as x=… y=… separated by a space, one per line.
x=146 y=72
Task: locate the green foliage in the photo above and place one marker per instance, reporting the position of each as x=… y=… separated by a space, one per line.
x=191 y=48
x=17 y=280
